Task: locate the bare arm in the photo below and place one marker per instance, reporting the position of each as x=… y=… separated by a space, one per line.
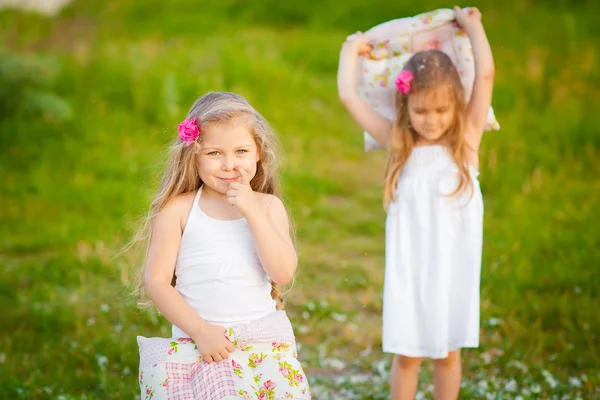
x=481 y=97
x=347 y=81
x=160 y=265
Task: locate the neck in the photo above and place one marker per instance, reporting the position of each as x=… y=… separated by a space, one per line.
x=423 y=141
x=210 y=193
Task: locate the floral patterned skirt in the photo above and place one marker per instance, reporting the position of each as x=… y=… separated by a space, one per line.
x=263 y=366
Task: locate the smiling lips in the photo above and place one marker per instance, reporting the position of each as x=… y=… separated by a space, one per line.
x=229 y=180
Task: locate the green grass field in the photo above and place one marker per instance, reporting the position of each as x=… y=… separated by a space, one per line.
x=90 y=99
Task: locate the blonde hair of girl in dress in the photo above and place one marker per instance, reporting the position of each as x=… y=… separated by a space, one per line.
x=435 y=135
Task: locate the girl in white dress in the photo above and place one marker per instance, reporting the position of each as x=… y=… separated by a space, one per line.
x=434 y=206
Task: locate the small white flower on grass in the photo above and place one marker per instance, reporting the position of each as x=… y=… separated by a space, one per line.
x=102 y=361
x=494 y=321
x=104 y=307
x=91 y=321
x=575 y=382
x=334 y=363
x=359 y=378
x=519 y=365
x=2 y=358
x=549 y=379
x=366 y=352
x=303 y=329
x=305 y=314
x=339 y=317
x=510 y=386
x=487 y=358
x=535 y=388
x=380 y=367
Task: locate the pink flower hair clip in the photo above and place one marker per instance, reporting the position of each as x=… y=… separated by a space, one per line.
x=189 y=131
x=403 y=81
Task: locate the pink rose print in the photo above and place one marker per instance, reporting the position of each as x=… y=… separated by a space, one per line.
x=269 y=384
x=285 y=370
x=432 y=44
x=427 y=19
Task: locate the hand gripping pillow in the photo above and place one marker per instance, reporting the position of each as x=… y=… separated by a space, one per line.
x=394 y=42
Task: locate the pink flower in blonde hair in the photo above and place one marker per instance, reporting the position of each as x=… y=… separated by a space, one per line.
x=403 y=81
x=188 y=131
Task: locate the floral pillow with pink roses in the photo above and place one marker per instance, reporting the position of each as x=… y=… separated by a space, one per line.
x=394 y=42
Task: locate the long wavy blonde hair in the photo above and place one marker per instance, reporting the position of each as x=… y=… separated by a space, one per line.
x=432 y=70
x=181 y=175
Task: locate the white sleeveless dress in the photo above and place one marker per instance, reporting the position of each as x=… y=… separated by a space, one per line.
x=433 y=259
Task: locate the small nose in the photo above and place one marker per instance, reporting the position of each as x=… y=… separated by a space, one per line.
x=228 y=164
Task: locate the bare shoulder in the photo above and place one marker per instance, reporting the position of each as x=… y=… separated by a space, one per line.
x=178 y=208
x=270 y=202
x=180 y=203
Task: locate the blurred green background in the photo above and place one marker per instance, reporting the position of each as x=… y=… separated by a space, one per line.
x=90 y=98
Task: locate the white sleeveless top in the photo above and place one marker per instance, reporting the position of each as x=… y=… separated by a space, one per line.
x=219 y=273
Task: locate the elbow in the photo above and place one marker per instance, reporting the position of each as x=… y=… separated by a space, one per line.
x=347 y=95
x=344 y=98
x=284 y=279
x=488 y=74
x=152 y=286
x=286 y=275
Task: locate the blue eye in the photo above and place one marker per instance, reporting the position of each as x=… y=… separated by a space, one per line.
x=241 y=151
x=212 y=153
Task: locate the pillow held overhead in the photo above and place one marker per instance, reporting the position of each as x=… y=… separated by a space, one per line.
x=394 y=42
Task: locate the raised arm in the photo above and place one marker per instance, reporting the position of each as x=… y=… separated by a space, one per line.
x=368 y=119
x=481 y=98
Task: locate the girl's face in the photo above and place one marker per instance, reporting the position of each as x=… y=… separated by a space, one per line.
x=431 y=112
x=226 y=147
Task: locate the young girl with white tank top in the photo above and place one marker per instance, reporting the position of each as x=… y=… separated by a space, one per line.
x=219 y=249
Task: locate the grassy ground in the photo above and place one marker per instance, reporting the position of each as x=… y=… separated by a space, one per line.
x=76 y=177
